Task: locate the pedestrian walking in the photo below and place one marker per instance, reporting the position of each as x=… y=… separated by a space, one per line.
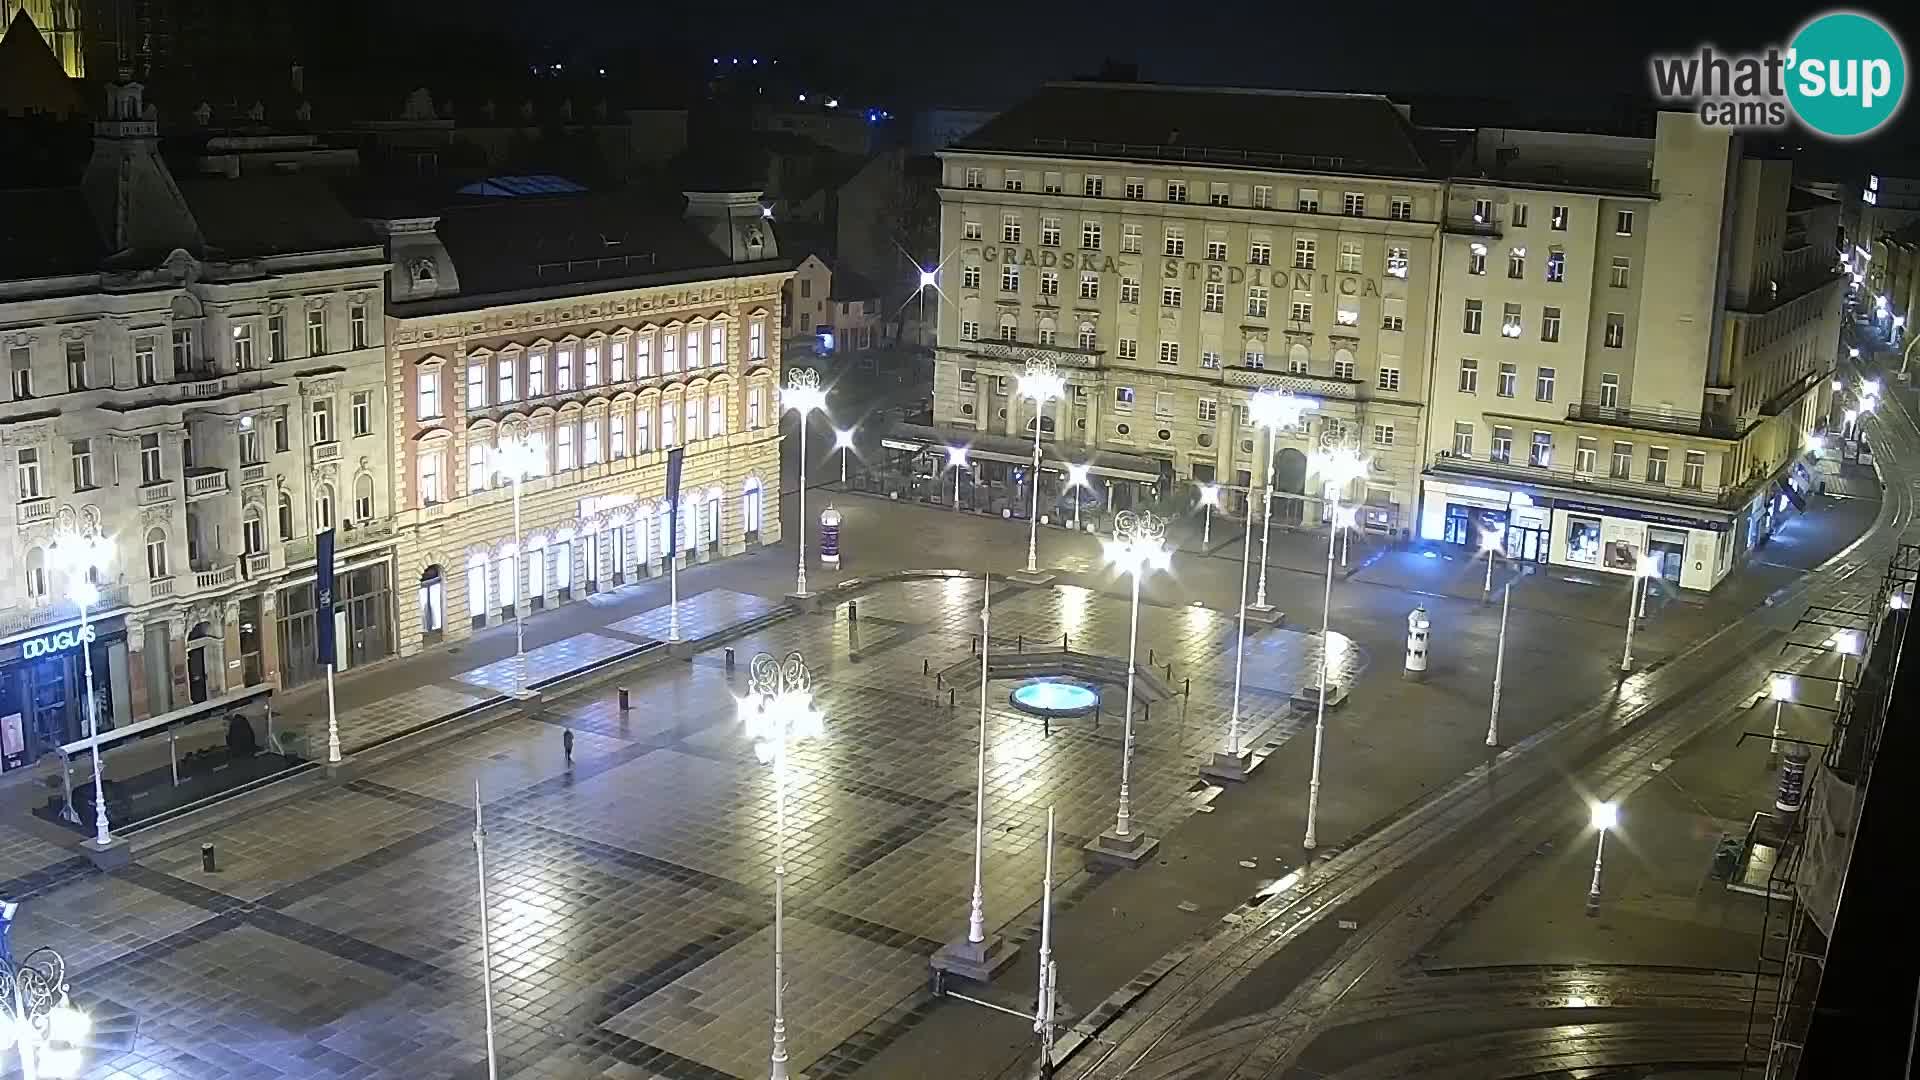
x=566 y=743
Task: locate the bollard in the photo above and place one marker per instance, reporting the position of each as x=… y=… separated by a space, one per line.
x=1063 y=644
x=1187 y=689
x=973 y=645
x=626 y=701
x=950 y=698
x=1150 y=662
x=1019 y=643
x=940 y=681
x=853 y=611
x=206 y=858
x=1146 y=710
x=729 y=659
x=926 y=666
x=1169 y=672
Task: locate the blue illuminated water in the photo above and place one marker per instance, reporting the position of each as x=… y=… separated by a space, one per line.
x=1053 y=698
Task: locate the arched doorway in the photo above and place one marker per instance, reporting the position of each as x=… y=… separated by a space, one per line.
x=1289 y=475
x=203 y=661
x=433 y=605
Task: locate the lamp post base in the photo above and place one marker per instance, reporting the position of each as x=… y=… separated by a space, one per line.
x=114 y=855
x=1033 y=577
x=1112 y=851
x=1230 y=767
x=974 y=961
x=1266 y=615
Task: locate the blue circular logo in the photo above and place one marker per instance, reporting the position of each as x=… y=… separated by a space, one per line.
x=1846 y=74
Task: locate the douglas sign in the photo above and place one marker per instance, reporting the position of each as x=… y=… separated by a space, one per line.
x=58 y=641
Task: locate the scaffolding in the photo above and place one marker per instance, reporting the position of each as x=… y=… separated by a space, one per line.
x=1804 y=887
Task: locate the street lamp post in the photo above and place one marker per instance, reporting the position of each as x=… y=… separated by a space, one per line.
x=1499 y=666
x=38 y=1016
x=1138 y=546
x=1780 y=689
x=1644 y=567
x=82 y=556
x=518 y=457
x=1042 y=383
x=803 y=395
x=956 y=460
x=974 y=956
x=1846 y=643
x=843 y=442
x=1077 y=478
x=1606 y=815
x=1232 y=765
x=1272 y=410
x=1340 y=464
x=777 y=709
x=1209 y=498
x=486 y=936
x=1490 y=544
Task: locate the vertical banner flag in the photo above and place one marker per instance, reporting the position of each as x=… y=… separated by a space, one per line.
x=674 y=457
x=323 y=598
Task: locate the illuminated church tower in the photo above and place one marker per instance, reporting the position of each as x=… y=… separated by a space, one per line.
x=59 y=24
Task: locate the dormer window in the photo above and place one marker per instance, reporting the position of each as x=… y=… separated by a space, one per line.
x=422 y=270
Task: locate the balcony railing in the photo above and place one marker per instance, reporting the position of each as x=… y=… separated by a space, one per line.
x=1019 y=352
x=259 y=565
x=325 y=452
x=1705 y=425
x=206 y=481
x=160 y=588
x=1567 y=476
x=253 y=474
x=217 y=578
x=35 y=511
x=1308 y=385
x=155 y=494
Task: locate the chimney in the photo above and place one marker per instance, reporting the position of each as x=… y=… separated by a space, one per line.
x=734 y=222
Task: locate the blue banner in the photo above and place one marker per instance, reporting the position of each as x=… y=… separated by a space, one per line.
x=323 y=598
x=674 y=457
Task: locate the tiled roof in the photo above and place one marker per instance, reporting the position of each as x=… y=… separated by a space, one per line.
x=503 y=245
x=272 y=215
x=1342 y=133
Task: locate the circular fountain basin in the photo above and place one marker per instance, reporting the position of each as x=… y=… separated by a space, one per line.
x=1056 y=698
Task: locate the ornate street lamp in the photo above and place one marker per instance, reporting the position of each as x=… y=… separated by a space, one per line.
x=38 y=1017
x=82 y=556
x=1338 y=464
x=518 y=456
x=1042 y=383
x=1272 y=411
x=778 y=709
x=1138 y=546
x=803 y=395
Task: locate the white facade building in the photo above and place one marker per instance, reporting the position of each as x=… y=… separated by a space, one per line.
x=186 y=366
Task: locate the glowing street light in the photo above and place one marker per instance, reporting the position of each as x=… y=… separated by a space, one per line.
x=1077 y=478
x=518 y=456
x=956 y=460
x=843 y=442
x=83 y=557
x=803 y=395
x=1492 y=541
x=1209 y=498
x=1644 y=567
x=1846 y=643
x=1272 y=411
x=1780 y=689
x=776 y=710
x=1605 y=816
x=929 y=278
x=1338 y=466
x=1138 y=546
x=1871 y=386
x=38 y=1018
x=1042 y=383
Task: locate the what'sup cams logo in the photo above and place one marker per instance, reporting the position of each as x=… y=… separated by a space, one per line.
x=1843 y=76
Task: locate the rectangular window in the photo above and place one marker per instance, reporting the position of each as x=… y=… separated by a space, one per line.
x=1163 y=404
x=590 y=441
x=1355 y=205
x=250 y=446
x=1170 y=296
x=1350 y=252
x=1400 y=208
x=1262 y=197
x=643 y=428
x=507 y=392
x=1216 y=250
x=1123 y=399
x=1389 y=378
x=1130 y=239
x=1616 y=330
x=1127 y=348
x=430 y=491
x=1622 y=270
x=1089 y=339
x=362 y=412
x=1305 y=251
x=320 y=420
x=1255 y=356
x=282 y=430
x=1622 y=461
x=563 y=362
x=1469 y=375
x=1517 y=214
x=477 y=384
x=76 y=365
x=1623 y=223
x=1543 y=380
x=1090 y=235
x=1297 y=363
x=242 y=346
x=717 y=344
x=969 y=330
x=429 y=384
x=476 y=467
x=973 y=179
x=1308 y=201
x=1129 y=291
x=1050 y=283
x=1556 y=266
x=1510 y=320
x=150 y=470
x=316 y=332
x=1609 y=390
x=973 y=230
x=1220 y=195
x=1657 y=465
x=1051 y=184
x=1010 y=229
x=1501 y=448
x=1476 y=259
x=590 y=366
x=1586 y=452
x=537 y=371
x=357 y=325
x=276 y=338
x=1540 y=454
x=1260 y=253
x=1049 y=232
x=182 y=350
x=1093 y=186
x=969 y=277
x=1302 y=312
x=1177 y=191
x=82 y=464
x=1694 y=471
x=1483 y=211
x=146 y=366
x=1209 y=360
x=1342 y=369
x=1216 y=296
x=1462 y=439
x=1395 y=323
x=1509 y=380
x=1550 y=324
x=1397 y=262
x=1009 y=278
x=617 y=360
x=1089 y=286
x=1209 y=411
x=1136 y=188
x=757 y=340
x=1170 y=352
x=1470 y=322
x=1176 y=242
x=1517 y=263
x=1014 y=180
x=1257 y=301
x=563 y=447
x=1559 y=219
x=617 y=434
x=1383 y=434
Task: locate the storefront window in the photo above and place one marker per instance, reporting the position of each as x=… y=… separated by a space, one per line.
x=1583 y=541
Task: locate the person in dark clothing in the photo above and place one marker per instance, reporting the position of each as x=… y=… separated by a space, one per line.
x=566 y=743
x=241 y=742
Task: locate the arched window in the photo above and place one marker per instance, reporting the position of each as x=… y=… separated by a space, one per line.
x=750 y=507
x=1297 y=360
x=363 y=498
x=323 y=508
x=253 y=529
x=1009 y=328
x=286 y=516
x=1089 y=338
x=1256 y=354
x=37 y=574
x=156 y=553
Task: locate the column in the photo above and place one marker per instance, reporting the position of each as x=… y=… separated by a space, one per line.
x=137 y=707
x=177 y=631
x=269 y=639
x=231 y=675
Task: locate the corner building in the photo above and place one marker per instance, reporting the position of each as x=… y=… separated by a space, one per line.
x=613 y=332
x=1174 y=250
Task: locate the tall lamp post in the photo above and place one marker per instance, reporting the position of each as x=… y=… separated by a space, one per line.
x=1271 y=411
x=1077 y=478
x=1042 y=383
x=1232 y=765
x=1499 y=667
x=518 y=456
x=974 y=956
x=1491 y=543
x=1606 y=815
x=1644 y=567
x=1138 y=546
x=1846 y=643
x=1780 y=689
x=82 y=556
x=776 y=710
x=803 y=395
x=1209 y=498
x=956 y=460
x=1339 y=465
x=38 y=1016
x=843 y=442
